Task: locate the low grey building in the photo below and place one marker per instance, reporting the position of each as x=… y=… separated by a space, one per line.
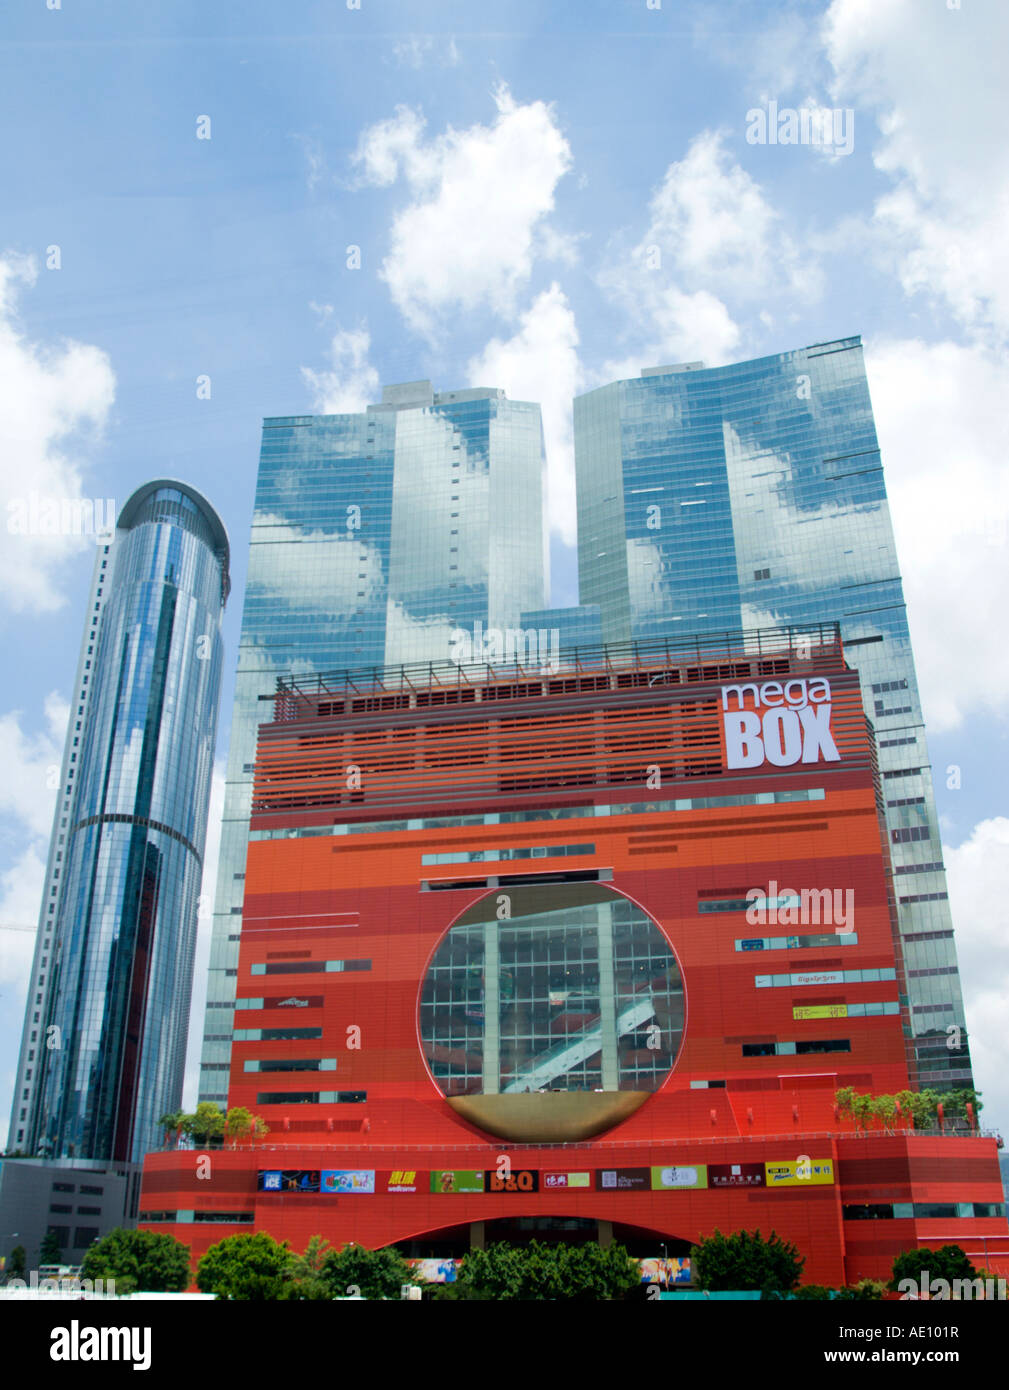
x=80 y=1199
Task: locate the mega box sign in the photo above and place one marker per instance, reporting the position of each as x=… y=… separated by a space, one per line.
x=789 y=723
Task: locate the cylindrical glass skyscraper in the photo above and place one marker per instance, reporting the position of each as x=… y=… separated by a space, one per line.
x=112 y=1037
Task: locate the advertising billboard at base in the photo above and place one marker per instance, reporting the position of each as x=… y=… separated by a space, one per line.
x=672 y=1176
x=736 y=1175
x=517 y=1180
x=553 y=1182
x=348 y=1181
x=457 y=1180
x=623 y=1179
x=800 y=1172
x=288 y=1180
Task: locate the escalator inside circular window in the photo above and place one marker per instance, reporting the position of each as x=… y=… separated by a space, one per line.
x=548 y=989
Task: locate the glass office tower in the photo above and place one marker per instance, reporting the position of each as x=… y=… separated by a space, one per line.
x=107 y=1020
x=375 y=537
x=752 y=496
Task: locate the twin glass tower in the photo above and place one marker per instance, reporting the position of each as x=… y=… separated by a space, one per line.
x=709 y=501
x=752 y=496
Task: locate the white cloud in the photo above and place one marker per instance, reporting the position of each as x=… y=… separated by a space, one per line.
x=540 y=363
x=20 y=897
x=31 y=764
x=712 y=239
x=479 y=197
x=934 y=77
x=940 y=416
x=978 y=874
x=49 y=396
x=671 y=327
x=717 y=231
x=351 y=384
x=28 y=793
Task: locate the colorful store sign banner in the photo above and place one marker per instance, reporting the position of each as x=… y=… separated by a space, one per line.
x=404 y=1180
x=436 y=1271
x=518 y=1180
x=736 y=1174
x=552 y=1182
x=800 y=1172
x=668 y=1272
x=820 y=1011
x=455 y=1180
x=669 y=1177
x=289 y=1180
x=347 y=1180
x=623 y=1179
x=793 y=727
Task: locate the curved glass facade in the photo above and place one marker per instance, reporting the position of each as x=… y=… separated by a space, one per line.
x=375 y=538
x=577 y=990
x=117 y=1008
x=752 y=496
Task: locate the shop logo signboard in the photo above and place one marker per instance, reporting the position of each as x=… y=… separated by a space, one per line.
x=457 y=1180
x=553 y=1182
x=404 y=1180
x=800 y=1172
x=670 y=1177
x=623 y=1180
x=346 y=1181
x=517 y=1180
x=289 y=1180
x=782 y=723
x=736 y=1175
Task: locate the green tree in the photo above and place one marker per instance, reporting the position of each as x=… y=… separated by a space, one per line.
x=206 y=1125
x=152 y=1261
x=17 y=1262
x=585 y=1273
x=863 y=1290
x=884 y=1109
x=248 y=1267
x=921 y=1106
x=237 y=1125
x=172 y=1123
x=503 y=1272
x=370 y=1273
x=305 y=1272
x=746 y=1260
x=948 y=1262
x=594 y=1272
x=954 y=1103
x=50 y=1250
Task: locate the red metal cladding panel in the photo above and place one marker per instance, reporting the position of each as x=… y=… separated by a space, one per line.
x=770 y=882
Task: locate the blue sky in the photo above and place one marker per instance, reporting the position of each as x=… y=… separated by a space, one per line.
x=508 y=172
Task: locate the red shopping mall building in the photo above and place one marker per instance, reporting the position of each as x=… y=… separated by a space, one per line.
x=581 y=953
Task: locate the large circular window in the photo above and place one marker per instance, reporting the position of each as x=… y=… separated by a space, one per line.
x=552 y=988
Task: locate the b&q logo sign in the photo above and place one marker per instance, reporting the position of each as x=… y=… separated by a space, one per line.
x=518 y=1180
x=789 y=723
